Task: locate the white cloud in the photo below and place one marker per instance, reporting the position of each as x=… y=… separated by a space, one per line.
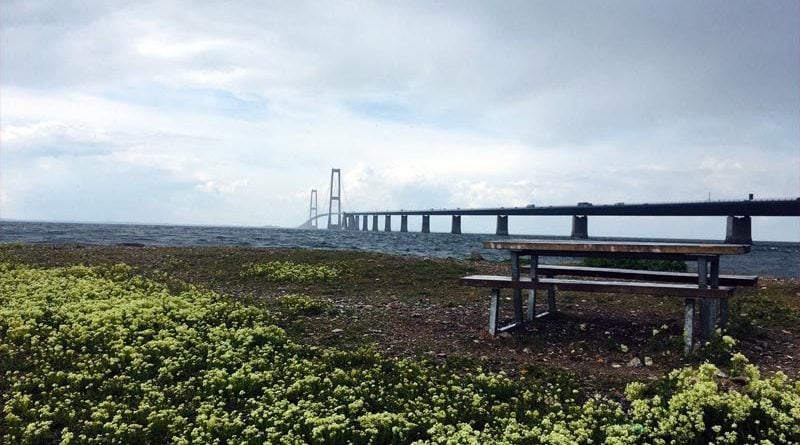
x=421 y=104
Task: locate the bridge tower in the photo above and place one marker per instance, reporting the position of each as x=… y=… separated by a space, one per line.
x=312 y=209
x=336 y=195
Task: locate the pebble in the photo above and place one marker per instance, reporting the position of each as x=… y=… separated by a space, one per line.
x=616 y=365
x=635 y=363
x=648 y=361
x=337 y=330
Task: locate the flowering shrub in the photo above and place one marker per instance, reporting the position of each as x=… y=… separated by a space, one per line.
x=298 y=304
x=101 y=355
x=690 y=407
x=288 y=271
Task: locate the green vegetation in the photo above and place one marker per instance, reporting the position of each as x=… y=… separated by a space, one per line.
x=291 y=272
x=299 y=304
x=102 y=355
x=660 y=265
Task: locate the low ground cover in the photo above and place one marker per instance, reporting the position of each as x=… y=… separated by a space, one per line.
x=411 y=307
x=105 y=355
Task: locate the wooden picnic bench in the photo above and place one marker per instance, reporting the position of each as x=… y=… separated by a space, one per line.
x=707 y=286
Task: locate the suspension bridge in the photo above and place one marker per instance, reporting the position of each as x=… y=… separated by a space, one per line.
x=738 y=213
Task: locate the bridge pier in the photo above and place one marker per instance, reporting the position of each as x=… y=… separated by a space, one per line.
x=345 y=220
x=356 y=221
x=404 y=223
x=388 y=224
x=374 y=223
x=426 y=223
x=739 y=230
x=455 y=226
x=580 y=226
x=365 y=227
x=502 y=225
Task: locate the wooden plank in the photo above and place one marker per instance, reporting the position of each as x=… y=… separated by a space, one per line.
x=510 y=327
x=679 y=290
x=640 y=275
x=583 y=246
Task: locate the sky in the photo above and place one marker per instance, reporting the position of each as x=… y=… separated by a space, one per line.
x=230 y=112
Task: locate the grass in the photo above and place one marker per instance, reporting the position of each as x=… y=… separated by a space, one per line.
x=103 y=354
x=411 y=307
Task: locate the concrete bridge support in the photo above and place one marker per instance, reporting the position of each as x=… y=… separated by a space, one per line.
x=388 y=224
x=356 y=221
x=374 y=223
x=502 y=225
x=426 y=223
x=455 y=226
x=404 y=223
x=365 y=227
x=739 y=230
x=580 y=227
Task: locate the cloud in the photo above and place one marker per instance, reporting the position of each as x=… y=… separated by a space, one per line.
x=227 y=112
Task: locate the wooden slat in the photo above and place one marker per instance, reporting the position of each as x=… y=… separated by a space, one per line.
x=576 y=247
x=641 y=275
x=678 y=290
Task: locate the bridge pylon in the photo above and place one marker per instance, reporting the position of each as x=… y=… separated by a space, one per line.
x=336 y=195
x=312 y=209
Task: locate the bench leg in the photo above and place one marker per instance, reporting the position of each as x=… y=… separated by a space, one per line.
x=551 y=299
x=713 y=311
x=531 y=304
x=708 y=319
x=688 y=326
x=494 y=304
x=723 y=312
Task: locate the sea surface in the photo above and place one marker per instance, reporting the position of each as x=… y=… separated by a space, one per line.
x=771 y=259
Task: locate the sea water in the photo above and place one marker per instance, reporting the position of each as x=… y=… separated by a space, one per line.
x=771 y=259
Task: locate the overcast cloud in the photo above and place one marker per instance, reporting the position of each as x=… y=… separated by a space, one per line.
x=231 y=112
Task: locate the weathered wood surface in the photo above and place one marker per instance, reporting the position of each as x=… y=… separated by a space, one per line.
x=641 y=275
x=646 y=288
x=612 y=247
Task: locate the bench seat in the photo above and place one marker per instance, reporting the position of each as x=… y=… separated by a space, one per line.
x=640 y=275
x=646 y=288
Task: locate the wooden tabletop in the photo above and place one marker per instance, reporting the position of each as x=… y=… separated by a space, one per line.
x=621 y=247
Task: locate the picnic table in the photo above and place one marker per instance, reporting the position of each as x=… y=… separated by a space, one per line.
x=706 y=285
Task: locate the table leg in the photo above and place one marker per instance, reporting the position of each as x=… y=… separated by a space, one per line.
x=531 y=315
x=517 y=293
x=494 y=304
x=706 y=307
x=688 y=326
x=720 y=304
